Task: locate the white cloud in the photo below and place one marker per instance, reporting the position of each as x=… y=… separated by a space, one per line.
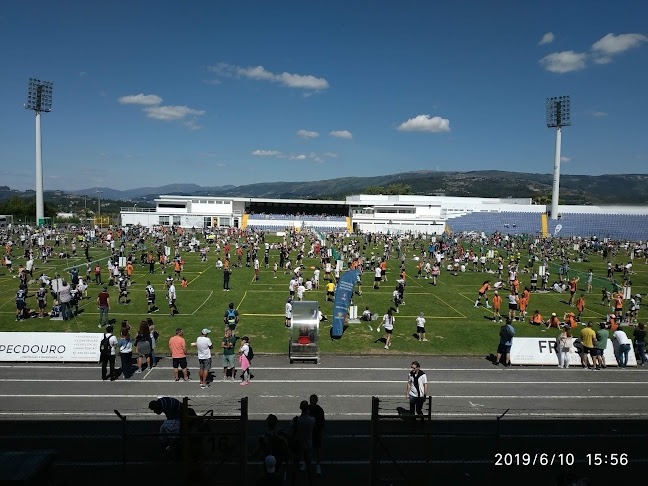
x=266 y=153
x=298 y=157
x=305 y=134
x=602 y=52
x=564 y=62
x=614 y=44
x=140 y=99
x=565 y=159
x=331 y=155
x=259 y=73
x=423 y=123
x=168 y=113
x=346 y=134
x=599 y=114
x=548 y=38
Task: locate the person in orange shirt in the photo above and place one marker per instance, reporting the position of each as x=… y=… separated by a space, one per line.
x=618 y=305
x=613 y=323
x=482 y=293
x=570 y=319
x=522 y=306
x=184 y=282
x=536 y=318
x=383 y=271
x=177 y=268
x=497 y=304
x=515 y=285
x=129 y=270
x=178 y=348
x=553 y=321
x=573 y=283
x=526 y=293
x=580 y=306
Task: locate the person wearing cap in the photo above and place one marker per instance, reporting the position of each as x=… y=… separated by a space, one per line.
x=103 y=304
x=178 y=348
x=553 y=321
x=204 y=345
x=270 y=476
x=288 y=312
x=497 y=305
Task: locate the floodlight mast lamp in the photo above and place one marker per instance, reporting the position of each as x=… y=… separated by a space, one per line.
x=558 y=116
x=39 y=99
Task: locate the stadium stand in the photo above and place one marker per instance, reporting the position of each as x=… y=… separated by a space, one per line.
x=615 y=226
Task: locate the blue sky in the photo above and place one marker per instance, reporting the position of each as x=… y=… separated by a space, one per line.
x=148 y=93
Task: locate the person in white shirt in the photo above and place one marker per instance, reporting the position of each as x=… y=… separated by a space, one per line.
x=172 y=298
x=417 y=389
x=316 y=278
x=420 y=327
x=108 y=358
x=300 y=292
x=623 y=347
x=204 y=346
x=245 y=361
x=388 y=324
x=288 y=308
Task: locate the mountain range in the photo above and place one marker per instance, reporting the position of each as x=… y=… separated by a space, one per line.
x=622 y=189
x=574 y=189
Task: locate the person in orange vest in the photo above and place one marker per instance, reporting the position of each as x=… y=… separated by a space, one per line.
x=522 y=306
x=184 y=282
x=573 y=284
x=129 y=270
x=612 y=322
x=618 y=305
x=553 y=321
x=580 y=306
x=570 y=319
x=497 y=305
x=536 y=318
x=177 y=268
x=482 y=293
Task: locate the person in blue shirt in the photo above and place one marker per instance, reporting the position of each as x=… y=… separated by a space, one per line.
x=507 y=331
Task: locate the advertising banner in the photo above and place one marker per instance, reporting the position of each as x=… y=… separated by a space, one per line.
x=542 y=351
x=49 y=346
x=343 y=294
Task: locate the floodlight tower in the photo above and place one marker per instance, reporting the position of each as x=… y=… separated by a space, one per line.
x=558 y=116
x=39 y=99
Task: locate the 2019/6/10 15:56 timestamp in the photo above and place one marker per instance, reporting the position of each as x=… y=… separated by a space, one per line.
x=614 y=459
x=558 y=459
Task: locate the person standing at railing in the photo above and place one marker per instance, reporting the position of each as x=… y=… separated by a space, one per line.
x=417 y=389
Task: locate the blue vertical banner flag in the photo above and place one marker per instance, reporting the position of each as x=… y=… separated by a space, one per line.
x=343 y=294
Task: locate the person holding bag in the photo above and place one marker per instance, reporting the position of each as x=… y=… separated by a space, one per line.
x=565 y=343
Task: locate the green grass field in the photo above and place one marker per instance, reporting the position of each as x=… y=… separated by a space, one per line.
x=454 y=326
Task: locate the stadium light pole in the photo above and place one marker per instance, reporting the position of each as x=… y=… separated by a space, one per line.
x=39 y=99
x=558 y=115
x=99 y=205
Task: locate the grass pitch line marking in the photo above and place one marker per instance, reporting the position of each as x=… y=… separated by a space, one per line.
x=439 y=298
x=210 y=294
x=199 y=274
